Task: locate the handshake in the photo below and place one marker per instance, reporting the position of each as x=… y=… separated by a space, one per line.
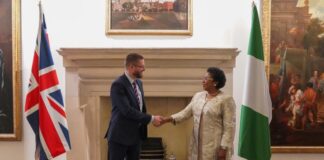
x=160 y=120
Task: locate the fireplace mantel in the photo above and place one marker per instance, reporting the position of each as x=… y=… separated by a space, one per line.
x=170 y=72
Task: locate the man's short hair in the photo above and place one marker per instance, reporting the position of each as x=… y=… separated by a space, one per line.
x=133 y=58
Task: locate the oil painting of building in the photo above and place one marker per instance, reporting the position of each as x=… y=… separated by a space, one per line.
x=149 y=14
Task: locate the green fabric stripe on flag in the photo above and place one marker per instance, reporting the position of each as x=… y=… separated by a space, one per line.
x=254 y=136
x=255 y=45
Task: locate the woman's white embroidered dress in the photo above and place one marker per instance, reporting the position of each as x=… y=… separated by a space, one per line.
x=214 y=125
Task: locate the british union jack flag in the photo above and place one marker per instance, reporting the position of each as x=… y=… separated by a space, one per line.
x=44 y=108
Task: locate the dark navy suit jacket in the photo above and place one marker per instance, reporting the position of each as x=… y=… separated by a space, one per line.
x=128 y=125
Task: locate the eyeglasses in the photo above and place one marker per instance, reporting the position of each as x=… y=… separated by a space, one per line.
x=207 y=79
x=139 y=66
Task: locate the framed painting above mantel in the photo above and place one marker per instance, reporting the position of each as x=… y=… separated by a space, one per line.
x=149 y=17
x=293 y=33
x=10 y=70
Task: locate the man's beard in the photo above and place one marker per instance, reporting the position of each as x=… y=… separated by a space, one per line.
x=138 y=75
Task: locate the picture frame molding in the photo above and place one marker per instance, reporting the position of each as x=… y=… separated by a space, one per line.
x=111 y=32
x=16 y=74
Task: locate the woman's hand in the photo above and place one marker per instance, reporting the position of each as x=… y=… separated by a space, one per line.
x=221 y=154
x=167 y=119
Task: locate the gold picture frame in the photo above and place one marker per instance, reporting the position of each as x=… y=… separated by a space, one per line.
x=10 y=93
x=149 y=17
x=286 y=146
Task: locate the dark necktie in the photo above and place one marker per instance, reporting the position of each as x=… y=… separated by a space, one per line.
x=136 y=93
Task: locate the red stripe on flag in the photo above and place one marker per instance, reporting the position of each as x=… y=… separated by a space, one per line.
x=48 y=80
x=35 y=67
x=49 y=132
x=57 y=107
x=32 y=99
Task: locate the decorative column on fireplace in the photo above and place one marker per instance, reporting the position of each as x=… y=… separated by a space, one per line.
x=171 y=78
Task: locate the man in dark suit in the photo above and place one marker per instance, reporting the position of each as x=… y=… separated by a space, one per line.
x=129 y=120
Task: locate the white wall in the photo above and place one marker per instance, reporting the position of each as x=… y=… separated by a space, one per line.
x=81 y=23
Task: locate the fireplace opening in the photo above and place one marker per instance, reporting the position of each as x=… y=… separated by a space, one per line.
x=174 y=138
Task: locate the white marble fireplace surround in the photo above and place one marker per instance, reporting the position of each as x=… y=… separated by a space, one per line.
x=171 y=78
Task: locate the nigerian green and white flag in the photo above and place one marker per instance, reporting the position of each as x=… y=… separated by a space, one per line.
x=254 y=138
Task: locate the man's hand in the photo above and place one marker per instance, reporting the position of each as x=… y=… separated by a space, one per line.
x=157 y=121
x=160 y=120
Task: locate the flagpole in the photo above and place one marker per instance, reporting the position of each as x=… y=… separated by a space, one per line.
x=39 y=3
x=37 y=150
x=40 y=11
x=40 y=6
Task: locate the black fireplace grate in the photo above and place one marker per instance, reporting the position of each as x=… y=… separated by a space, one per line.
x=152 y=149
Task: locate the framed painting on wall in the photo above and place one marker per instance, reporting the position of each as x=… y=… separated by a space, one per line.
x=149 y=17
x=293 y=33
x=10 y=70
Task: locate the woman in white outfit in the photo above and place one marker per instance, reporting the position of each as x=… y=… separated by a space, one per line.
x=213 y=114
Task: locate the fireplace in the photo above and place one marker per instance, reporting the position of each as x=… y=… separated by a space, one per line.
x=171 y=78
